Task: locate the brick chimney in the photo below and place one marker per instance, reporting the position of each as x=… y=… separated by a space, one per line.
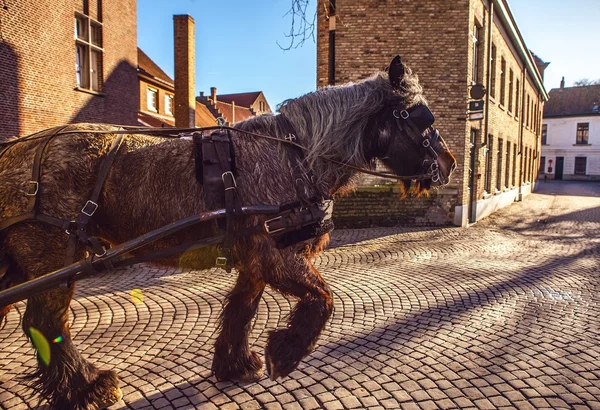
x=213 y=95
x=562 y=83
x=185 y=71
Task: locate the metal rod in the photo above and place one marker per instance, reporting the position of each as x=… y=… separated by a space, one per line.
x=64 y=275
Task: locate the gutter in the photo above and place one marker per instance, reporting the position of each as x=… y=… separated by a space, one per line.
x=515 y=35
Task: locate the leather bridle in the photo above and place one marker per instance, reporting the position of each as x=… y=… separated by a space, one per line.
x=420 y=124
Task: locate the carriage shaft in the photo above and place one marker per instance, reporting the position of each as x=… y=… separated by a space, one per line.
x=74 y=271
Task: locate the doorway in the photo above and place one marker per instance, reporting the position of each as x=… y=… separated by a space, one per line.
x=471 y=208
x=560 y=163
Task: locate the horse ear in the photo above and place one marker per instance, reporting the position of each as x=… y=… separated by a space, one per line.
x=396 y=71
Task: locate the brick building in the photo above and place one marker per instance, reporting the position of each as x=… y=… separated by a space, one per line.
x=451 y=46
x=52 y=74
x=571 y=133
x=157 y=93
x=160 y=95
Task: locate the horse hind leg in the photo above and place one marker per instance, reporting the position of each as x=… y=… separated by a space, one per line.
x=63 y=376
x=287 y=347
x=233 y=359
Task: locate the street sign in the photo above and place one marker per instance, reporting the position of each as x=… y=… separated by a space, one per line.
x=476 y=105
x=477 y=91
x=476 y=116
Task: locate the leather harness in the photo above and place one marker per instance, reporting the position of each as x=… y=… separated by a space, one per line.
x=215 y=170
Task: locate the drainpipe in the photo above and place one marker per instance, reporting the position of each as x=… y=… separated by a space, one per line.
x=486 y=127
x=331 y=42
x=489 y=70
x=522 y=128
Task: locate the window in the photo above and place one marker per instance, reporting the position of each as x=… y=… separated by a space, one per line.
x=525 y=171
x=580 y=165
x=518 y=88
x=261 y=106
x=169 y=104
x=488 y=164
x=476 y=53
x=510 y=90
x=544 y=134
x=507 y=165
x=493 y=57
x=527 y=119
x=542 y=165
x=583 y=129
x=499 y=165
x=88 y=53
x=151 y=96
x=502 y=80
x=514 y=165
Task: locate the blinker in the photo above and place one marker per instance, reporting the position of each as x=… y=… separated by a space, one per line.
x=421 y=116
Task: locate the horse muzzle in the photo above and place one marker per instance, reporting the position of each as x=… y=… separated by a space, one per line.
x=441 y=163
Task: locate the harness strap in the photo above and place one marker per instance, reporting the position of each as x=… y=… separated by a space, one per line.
x=90 y=207
x=296 y=156
x=223 y=149
x=33 y=186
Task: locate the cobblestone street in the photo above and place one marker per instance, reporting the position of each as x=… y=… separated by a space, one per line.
x=503 y=314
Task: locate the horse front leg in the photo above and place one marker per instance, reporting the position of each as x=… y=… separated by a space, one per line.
x=66 y=379
x=63 y=376
x=233 y=359
x=286 y=347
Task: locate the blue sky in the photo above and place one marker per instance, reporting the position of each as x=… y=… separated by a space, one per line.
x=237 y=50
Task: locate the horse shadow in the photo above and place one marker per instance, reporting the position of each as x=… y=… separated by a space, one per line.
x=204 y=388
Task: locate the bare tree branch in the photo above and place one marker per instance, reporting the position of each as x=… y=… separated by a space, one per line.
x=586 y=81
x=302 y=27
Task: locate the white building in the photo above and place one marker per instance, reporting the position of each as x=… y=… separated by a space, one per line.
x=571 y=133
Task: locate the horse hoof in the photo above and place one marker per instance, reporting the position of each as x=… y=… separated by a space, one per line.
x=113 y=397
x=270 y=368
x=250 y=377
x=244 y=370
x=283 y=353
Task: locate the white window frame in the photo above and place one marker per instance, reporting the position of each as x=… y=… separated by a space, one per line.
x=169 y=104
x=152 y=97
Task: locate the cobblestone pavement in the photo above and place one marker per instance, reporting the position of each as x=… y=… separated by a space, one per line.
x=504 y=314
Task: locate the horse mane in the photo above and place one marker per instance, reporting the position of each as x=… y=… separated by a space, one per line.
x=333 y=121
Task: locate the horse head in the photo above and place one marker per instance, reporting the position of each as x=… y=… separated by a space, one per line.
x=406 y=141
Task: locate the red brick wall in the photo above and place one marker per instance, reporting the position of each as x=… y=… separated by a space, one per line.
x=434 y=39
x=384 y=206
x=39 y=76
x=185 y=69
x=431 y=37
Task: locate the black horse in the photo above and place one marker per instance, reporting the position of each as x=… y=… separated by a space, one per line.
x=152 y=182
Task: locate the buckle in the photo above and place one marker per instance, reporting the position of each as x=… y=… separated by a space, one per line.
x=290 y=137
x=35 y=185
x=234 y=186
x=268 y=229
x=426 y=143
x=221 y=261
x=71 y=228
x=404 y=114
x=88 y=212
